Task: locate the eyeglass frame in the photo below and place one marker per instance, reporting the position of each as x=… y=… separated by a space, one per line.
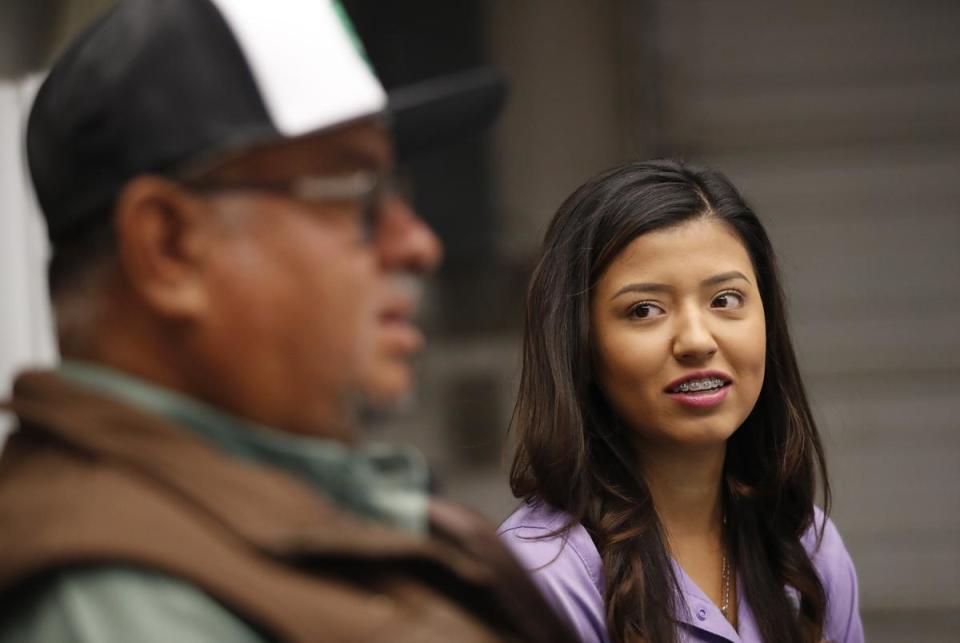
x=368 y=187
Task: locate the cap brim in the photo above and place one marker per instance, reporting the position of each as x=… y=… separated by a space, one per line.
x=443 y=110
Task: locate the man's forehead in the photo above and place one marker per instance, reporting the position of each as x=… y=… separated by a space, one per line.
x=364 y=144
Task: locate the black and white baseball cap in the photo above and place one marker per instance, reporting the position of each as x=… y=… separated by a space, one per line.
x=157 y=85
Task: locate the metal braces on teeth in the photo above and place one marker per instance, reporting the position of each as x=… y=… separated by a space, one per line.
x=700 y=385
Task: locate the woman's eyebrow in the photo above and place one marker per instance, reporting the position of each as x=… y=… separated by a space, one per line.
x=655 y=287
x=726 y=276
x=643 y=287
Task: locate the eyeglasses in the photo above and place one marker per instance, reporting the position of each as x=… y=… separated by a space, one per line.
x=369 y=189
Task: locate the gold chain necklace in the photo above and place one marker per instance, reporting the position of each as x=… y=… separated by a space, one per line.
x=725 y=576
x=725 y=589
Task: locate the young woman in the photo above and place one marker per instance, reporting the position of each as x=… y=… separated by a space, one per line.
x=666 y=453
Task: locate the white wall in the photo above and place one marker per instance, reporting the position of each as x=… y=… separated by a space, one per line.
x=31 y=31
x=26 y=335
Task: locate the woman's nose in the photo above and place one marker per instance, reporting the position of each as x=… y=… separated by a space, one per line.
x=693 y=341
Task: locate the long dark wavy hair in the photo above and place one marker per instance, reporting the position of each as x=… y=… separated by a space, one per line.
x=573 y=453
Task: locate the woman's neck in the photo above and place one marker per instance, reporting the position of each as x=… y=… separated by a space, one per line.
x=685 y=485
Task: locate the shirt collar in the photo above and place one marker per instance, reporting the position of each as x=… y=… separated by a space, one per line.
x=698 y=611
x=380 y=482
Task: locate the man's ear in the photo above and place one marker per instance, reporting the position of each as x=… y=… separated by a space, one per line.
x=163 y=237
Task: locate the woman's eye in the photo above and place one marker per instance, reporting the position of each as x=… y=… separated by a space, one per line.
x=728 y=300
x=643 y=311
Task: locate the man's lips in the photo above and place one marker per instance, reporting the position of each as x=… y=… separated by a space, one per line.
x=398 y=329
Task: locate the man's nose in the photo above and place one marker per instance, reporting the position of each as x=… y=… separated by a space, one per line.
x=405 y=241
x=693 y=341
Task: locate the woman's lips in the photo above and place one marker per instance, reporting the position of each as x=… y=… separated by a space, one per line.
x=702 y=399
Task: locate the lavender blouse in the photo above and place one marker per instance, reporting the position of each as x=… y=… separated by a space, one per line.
x=570 y=574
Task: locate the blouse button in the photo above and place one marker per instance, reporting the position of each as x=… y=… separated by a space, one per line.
x=702 y=614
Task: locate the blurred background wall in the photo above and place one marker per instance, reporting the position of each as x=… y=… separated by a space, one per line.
x=30 y=30
x=839 y=121
x=841 y=124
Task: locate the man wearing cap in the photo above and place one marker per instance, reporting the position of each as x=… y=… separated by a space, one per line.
x=215 y=179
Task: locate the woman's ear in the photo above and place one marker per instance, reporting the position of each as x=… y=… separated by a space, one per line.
x=163 y=239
